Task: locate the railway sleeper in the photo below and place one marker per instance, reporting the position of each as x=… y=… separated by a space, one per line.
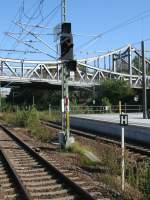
x=36 y=178
x=45 y=187
x=71 y=197
x=30 y=174
x=41 y=183
x=55 y=192
x=50 y=194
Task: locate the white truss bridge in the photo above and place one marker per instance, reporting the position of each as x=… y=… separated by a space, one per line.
x=116 y=64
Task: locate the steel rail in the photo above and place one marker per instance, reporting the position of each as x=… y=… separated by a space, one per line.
x=138 y=148
x=74 y=187
x=16 y=178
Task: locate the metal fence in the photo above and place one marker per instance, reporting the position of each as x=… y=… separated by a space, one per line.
x=105 y=109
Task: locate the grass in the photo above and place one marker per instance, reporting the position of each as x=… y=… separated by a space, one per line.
x=110 y=157
x=137 y=174
x=8 y=117
x=53 y=115
x=81 y=150
x=29 y=119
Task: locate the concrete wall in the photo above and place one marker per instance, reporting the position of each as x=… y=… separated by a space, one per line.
x=135 y=133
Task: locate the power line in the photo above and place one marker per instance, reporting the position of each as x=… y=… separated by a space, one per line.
x=35 y=36
x=125 y=23
x=29 y=45
x=139 y=42
x=39 y=10
x=11 y=26
x=15 y=44
x=44 y=34
x=48 y=15
x=34 y=26
x=18 y=51
x=19 y=12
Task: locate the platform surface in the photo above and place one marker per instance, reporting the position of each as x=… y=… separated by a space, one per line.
x=135 y=119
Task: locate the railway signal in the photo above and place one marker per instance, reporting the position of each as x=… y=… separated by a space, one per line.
x=123 y=123
x=66 y=42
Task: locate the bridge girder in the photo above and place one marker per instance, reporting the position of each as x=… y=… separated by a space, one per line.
x=90 y=71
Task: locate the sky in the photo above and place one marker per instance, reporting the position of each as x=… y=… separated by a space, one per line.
x=118 y=22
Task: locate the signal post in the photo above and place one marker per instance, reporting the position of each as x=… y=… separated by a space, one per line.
x=123 y=123
x=68 y=64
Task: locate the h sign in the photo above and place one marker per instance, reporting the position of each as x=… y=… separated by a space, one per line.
x=123 y=119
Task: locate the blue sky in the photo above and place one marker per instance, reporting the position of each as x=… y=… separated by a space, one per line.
x=88 y=17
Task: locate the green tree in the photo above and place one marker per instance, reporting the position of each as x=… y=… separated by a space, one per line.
x=114 y=90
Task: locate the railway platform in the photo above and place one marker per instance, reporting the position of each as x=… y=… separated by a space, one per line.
x=134 y=118
x=138 y=129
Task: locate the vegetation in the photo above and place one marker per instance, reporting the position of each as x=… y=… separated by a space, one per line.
x=107 y=94
x=137 y=174
x=137 y=181
x=81 y=150
x=29 y=119
x=43 y=97
x=53 y=115
x=113 y=91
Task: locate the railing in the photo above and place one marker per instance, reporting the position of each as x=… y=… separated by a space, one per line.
x=105 y=109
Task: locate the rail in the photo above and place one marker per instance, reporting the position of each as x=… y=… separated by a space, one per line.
x=72 y=186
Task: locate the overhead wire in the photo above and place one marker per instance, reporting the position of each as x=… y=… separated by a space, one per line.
x=29 y=45
x=48 y=15
x=11 y=26
x=125 y=23
x=38 y=38
x=20 y=18
x=18 y=51
x=35 y=11
x=39 y=10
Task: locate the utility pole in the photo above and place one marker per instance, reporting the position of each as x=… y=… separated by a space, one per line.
x=68 y=64
x=63 y=11
x=144 y=82
x=0 y=97
x=63 y=20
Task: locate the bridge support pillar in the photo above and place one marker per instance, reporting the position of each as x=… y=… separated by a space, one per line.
x=22 y=69
x=130 y=63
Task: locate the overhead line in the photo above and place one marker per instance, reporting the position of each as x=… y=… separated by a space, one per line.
x=127 y=22
x=10 y=27
x=28 y=21
x=29 y=45
x=38 y=38
x=40 y=23
x=18 y=51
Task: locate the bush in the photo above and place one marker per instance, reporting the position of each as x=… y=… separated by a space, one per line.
x=21 y=118
x=8 y=117
x=33 y=121
x=81 y=150
x=29 y=119
x=145 y=180
x=54 y=115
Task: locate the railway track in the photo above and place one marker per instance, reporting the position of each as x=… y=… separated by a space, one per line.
x=140 y=150
x=9 y=186
x=36 y=178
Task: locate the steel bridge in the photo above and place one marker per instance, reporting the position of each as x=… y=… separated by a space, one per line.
x=92 y=71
